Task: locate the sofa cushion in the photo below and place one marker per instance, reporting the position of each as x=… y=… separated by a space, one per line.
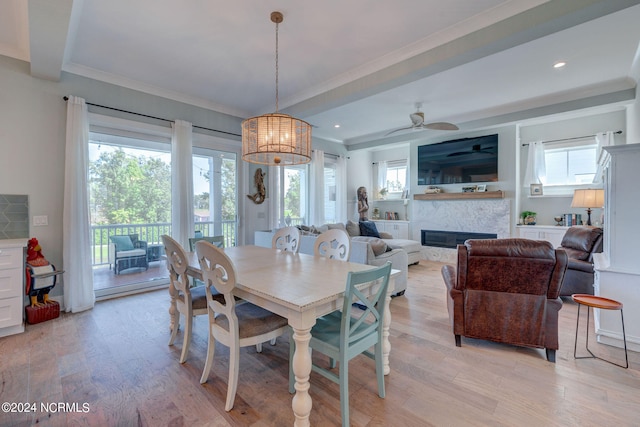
x=338 y=225
x=368 y=228
x=378 y=246
x=406 y=245
x=353 y=228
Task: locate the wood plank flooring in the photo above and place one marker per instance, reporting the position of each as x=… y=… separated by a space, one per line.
x=115 y=359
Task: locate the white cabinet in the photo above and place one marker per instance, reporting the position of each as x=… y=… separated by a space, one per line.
x=617 y=269
x=11 y=286
x=398 y=229
x=550 y=233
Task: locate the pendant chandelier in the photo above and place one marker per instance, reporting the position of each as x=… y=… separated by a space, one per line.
x=276 y=139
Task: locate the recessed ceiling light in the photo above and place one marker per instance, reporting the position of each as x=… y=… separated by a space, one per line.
x=336 y=126
x=559 y=64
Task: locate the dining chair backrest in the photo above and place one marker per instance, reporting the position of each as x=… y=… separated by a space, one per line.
x=177 y=263
x=334 y=244
x=360 y=325
x=216 y=240
x=286 y=239
x=218 y=272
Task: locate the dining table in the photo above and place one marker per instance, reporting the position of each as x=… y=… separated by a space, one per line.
x=301 y=288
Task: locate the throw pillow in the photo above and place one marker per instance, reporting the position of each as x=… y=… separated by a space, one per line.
x=378 y=246
x=123 y=243
x=368 y=228
x=353 y=228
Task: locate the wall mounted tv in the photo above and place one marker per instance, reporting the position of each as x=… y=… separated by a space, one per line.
x=459 y=161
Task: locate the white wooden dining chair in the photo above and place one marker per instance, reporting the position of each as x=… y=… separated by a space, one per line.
x=349 y=333
x=334 y=244
x=286 y=239
x=189 y=301
x=233 y=325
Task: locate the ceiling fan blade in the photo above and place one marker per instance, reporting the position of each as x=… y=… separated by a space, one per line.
x=398 y=130
x=441 y=126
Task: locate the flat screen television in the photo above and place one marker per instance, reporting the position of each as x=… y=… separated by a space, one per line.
x=459 y=161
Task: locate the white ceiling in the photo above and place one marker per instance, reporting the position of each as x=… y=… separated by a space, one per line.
x=362 y=64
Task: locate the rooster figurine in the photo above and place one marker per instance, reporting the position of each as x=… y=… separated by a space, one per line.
x=35 y=262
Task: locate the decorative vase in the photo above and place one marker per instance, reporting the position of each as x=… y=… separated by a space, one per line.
x=530 y=220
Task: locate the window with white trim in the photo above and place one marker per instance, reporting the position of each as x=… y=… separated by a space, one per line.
x=396 y=178
x=570 y=163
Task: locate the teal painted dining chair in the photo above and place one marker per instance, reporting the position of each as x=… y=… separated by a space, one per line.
x=214 y=240
x=343 y=335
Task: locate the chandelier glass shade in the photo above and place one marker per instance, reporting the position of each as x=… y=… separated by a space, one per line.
x=276 y=139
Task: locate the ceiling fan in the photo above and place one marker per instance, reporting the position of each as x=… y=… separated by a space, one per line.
x=417 y=119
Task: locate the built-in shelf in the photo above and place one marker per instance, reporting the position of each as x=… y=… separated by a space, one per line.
x=461 y=196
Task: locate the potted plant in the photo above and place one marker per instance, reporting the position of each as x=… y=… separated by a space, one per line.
x=528 y=217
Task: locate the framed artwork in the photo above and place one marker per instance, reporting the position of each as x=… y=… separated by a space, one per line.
x=536 y=189
x=481 y=187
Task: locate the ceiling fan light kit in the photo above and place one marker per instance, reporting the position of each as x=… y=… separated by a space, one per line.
x=417 y=119
x=276 y=139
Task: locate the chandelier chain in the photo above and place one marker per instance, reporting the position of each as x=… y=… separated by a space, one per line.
x=277 y=24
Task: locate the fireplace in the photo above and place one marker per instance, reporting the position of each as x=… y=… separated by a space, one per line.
x=451 y=239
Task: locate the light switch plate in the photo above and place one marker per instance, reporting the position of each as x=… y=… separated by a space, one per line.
x=40 y=220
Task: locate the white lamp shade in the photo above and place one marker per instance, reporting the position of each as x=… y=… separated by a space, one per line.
x=588 y=198
x=276 y=139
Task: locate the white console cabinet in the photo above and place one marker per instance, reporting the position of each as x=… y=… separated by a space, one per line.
x=398 y=229
x=550 y=233
x=11 y=286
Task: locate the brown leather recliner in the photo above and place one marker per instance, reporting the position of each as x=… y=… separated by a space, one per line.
x=506 y=290
x=580 y=243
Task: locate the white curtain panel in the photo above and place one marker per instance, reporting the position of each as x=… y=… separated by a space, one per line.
x=182 y=221
x=76 y=229
x=341 y=189
x=317 y=188
x=535 y=172
x=381 y=179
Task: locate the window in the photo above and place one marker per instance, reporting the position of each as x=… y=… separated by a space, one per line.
x=571 y=163
x=214 y=194
x=294 y=190
x=392 y=178
x=330 y=188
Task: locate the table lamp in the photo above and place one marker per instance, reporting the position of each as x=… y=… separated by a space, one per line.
x=588 y=198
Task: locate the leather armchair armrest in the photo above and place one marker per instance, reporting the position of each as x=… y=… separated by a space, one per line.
x=576 y=264
x=449 y=276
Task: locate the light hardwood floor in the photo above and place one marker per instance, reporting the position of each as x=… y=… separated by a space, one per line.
x=115 y=358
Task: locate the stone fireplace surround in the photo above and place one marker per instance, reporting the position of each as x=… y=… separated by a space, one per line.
x=474 y=216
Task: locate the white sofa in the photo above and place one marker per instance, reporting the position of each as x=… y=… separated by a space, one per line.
x=361 y=252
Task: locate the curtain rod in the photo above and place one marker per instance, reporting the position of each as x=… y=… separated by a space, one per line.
x=569 y=139
x=66 y=98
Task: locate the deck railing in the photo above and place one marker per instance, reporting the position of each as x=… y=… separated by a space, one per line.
x=151 y=233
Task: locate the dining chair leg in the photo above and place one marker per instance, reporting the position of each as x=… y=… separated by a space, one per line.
x=344 y=390
x=176 y=325
x=234 y=361
x=380 y=370
x=188 y=323
x=211 y=349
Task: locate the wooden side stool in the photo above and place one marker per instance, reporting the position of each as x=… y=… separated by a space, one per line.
x=605 y=304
